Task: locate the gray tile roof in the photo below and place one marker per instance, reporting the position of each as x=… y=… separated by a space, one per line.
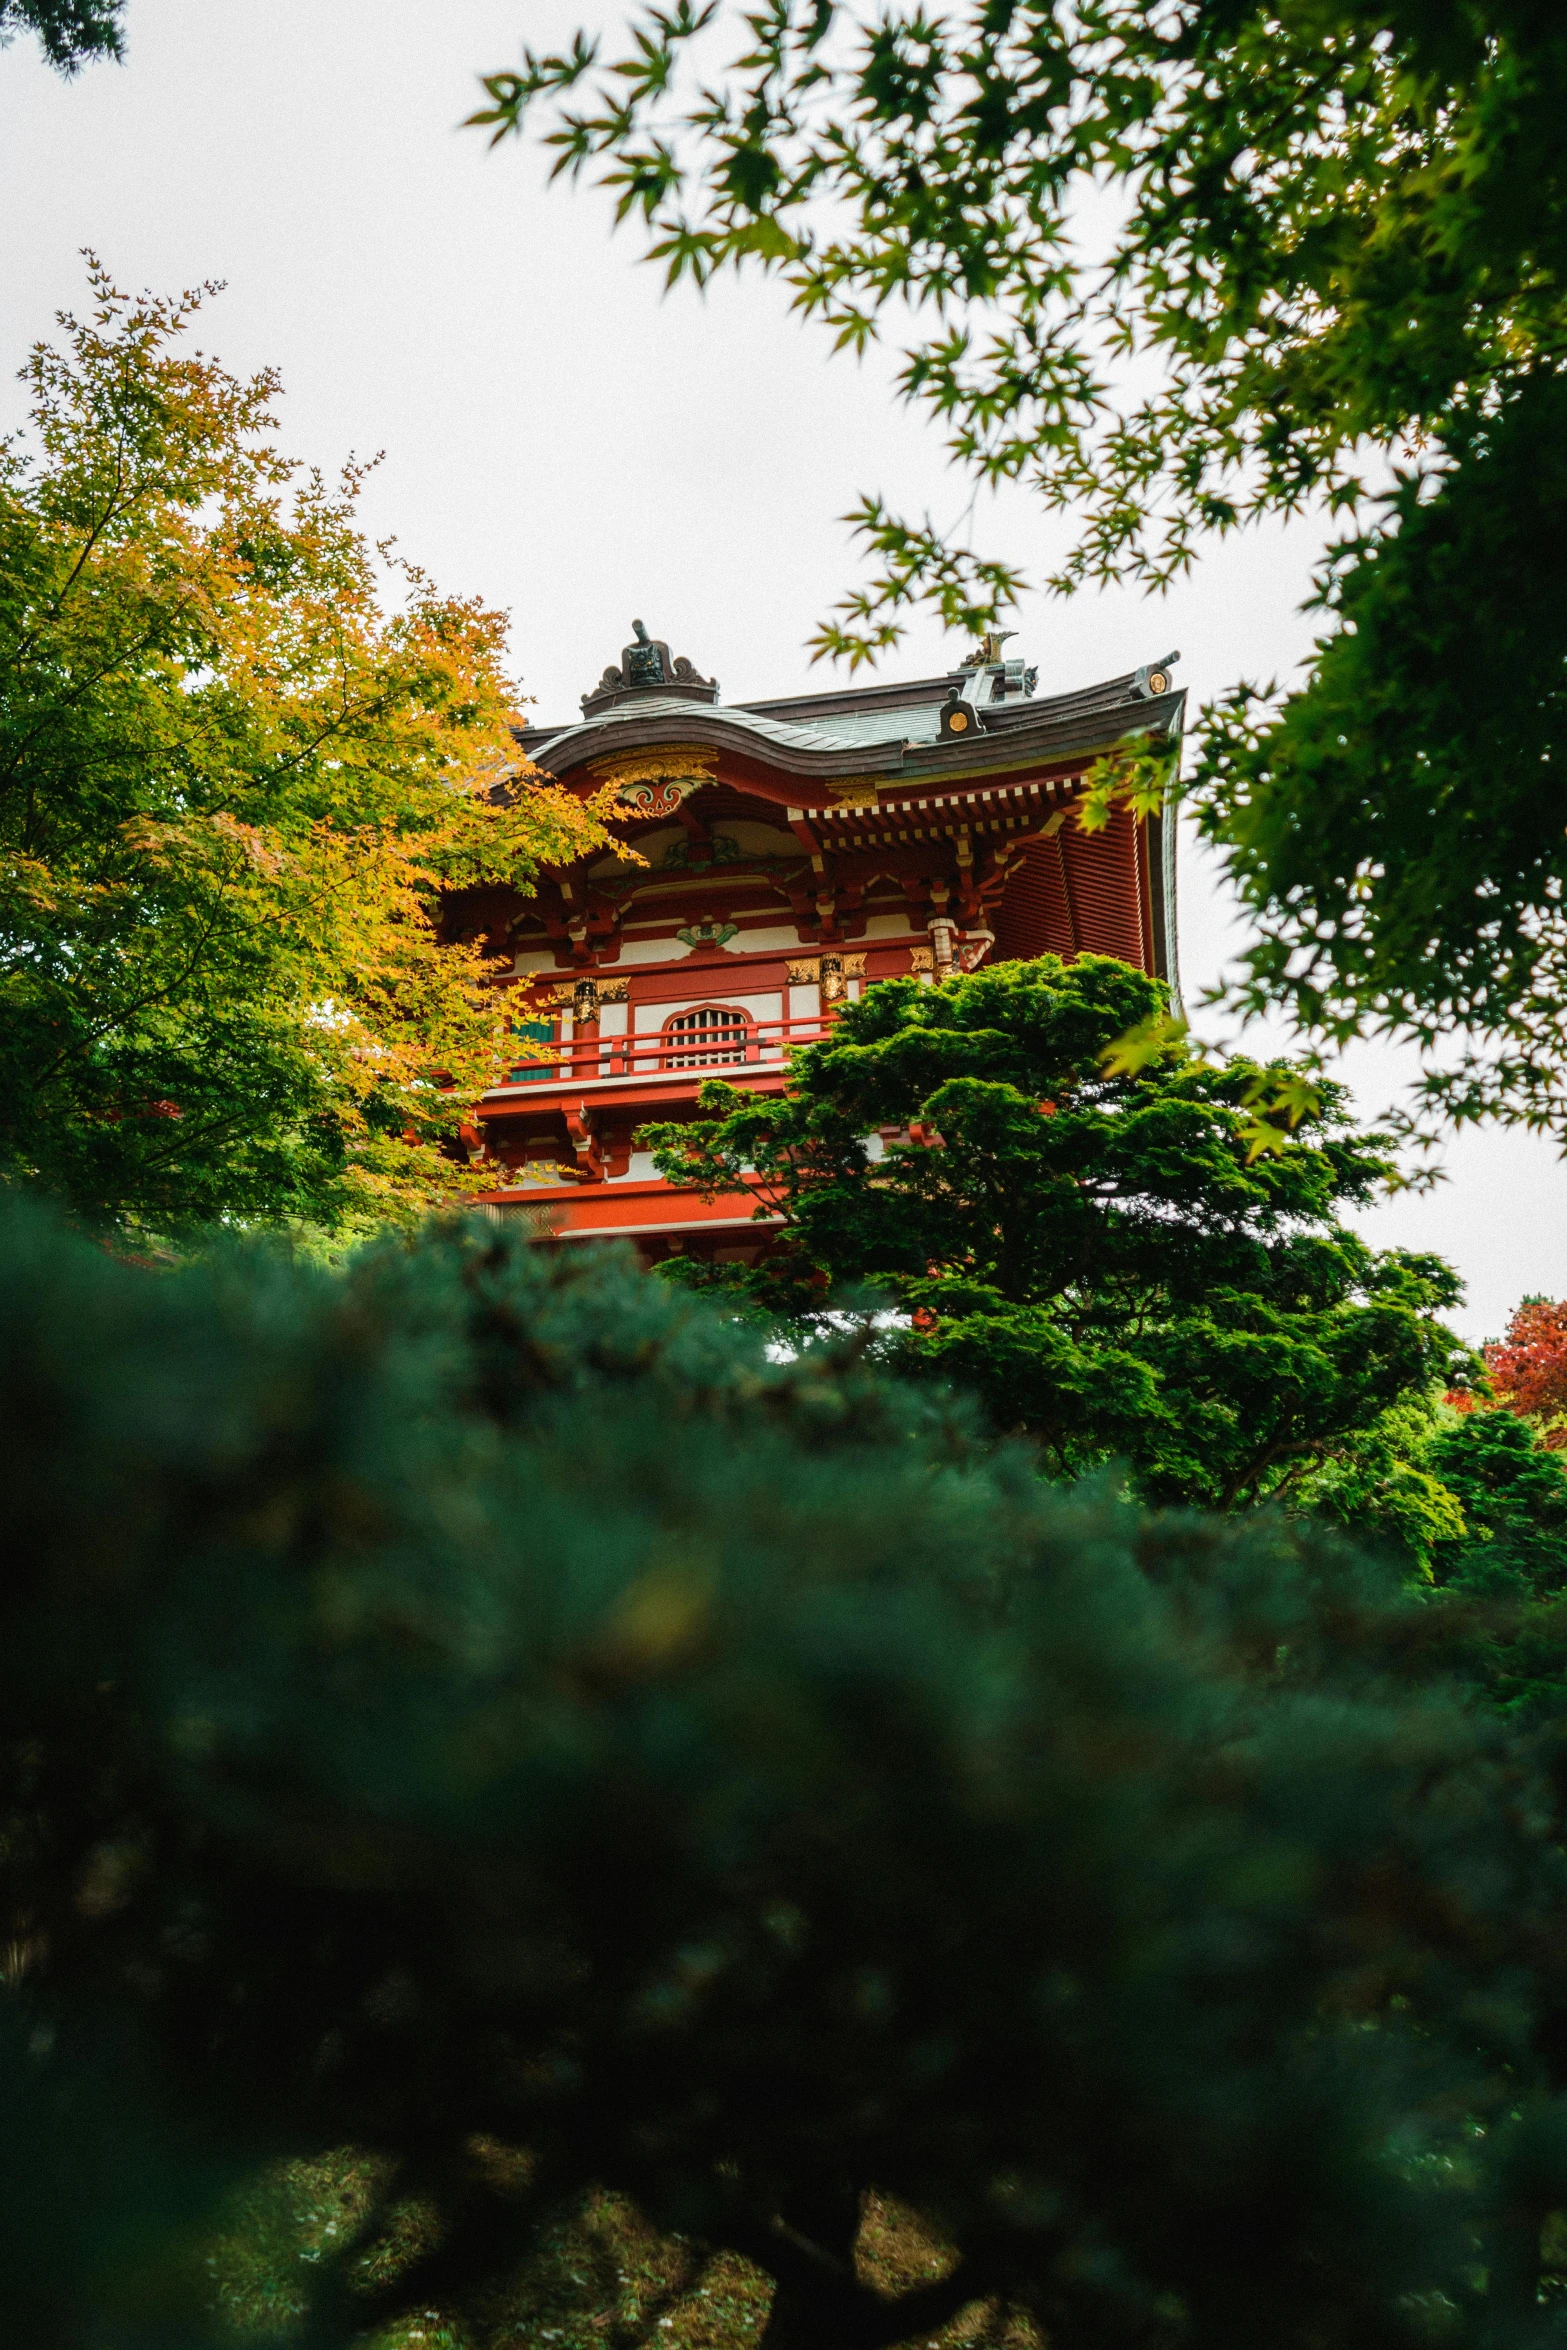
x=869 y=730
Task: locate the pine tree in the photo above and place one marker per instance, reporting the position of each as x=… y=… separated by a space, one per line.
x=1102 y=1237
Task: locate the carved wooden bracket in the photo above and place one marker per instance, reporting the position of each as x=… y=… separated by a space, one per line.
x=653 y=783
x=585 y=1142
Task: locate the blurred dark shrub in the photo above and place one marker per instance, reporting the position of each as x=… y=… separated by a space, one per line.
x=483 y=1708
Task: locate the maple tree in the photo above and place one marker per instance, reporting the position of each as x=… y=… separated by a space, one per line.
x=69 y=31
x=1528 y=1367
x=242 y=754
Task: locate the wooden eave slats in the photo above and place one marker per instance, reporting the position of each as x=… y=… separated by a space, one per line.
x=997 y=808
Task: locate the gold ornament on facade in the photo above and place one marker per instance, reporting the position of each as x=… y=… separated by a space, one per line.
x=850 y=796
x=835 y=985
x=584 y=996
x=830 y=972
x=653 y=783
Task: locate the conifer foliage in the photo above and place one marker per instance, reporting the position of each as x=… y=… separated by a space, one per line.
x=1096 y=1232
x=481 y=1708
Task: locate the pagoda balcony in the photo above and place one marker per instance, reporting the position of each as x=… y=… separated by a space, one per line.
x=564 y=1138
x=753 y=1053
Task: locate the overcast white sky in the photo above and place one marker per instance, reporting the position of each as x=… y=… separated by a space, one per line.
x=563 y=439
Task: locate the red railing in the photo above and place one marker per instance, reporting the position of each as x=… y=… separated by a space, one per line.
x=764 y=1044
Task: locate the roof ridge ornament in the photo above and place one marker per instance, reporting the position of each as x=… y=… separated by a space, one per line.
x=988 y=651
x=648 y=667
x=983 y=680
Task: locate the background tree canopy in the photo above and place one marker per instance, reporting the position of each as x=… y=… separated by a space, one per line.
x=483 y=1709
x=232 y=786
x=1085 y=1228
x=1529 y=1366
x=1326 y=245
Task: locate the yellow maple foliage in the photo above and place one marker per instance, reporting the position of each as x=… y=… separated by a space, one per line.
x=243 y=755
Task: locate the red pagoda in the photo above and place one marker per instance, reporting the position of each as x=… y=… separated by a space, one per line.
x=786 y=854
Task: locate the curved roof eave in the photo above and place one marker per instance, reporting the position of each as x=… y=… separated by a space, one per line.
x=1058 y=729
x=794 y=750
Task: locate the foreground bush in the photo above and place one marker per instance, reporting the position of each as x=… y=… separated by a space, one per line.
x=477 y=1709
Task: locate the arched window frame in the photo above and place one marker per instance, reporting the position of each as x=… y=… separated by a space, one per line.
x=682 y=1047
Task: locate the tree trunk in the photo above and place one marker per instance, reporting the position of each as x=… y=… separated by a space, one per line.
x=819 y=2302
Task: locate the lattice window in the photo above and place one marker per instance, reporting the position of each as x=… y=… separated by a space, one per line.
x=707 y=1037
x=538 y=1032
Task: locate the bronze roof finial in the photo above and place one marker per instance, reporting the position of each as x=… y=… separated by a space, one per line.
x=988 y=651
x=648 y=667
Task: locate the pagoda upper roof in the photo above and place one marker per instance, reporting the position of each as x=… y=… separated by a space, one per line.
x=891 y=729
